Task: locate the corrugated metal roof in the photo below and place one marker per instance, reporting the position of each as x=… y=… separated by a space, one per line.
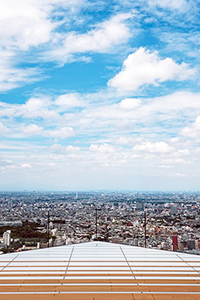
x=98 y=270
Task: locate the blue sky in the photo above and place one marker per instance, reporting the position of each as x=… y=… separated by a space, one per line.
x=99 y=95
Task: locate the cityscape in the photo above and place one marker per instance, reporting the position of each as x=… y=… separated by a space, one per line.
x=166 y=221
x=99 y=150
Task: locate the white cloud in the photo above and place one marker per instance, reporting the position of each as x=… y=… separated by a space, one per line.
x=56 y=147
x=62 y=133
x=17 y=167
x=69 y=100
x=12 y=167
x=144 y=67
x=57 y=157
x=28 y=23
x=150 y=117
x=102 y=39
x=166 y=167
x=129 y=140
x=178 y=175
x=7 y=112
x=192 y=131
x=12 y=76
x=25 y=24
x=103 y=148
x=51 y=164
x=115 y=164
x=34 y=24
x=182 y=152
x=129 y=104
x=174 y=140
x=113 y=148
x=37 y=108
x=25 y=166
x=32 y=129
x=72 y=149
x=172 y=4
x=3 y=129
x=175 y=161
x=158 y=147
x=124 y=124
x=34 y=104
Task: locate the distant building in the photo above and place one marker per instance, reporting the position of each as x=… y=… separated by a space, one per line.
x=10 y=223
x=191 y=244
x=7 y=237
x=175 y=242
x=174 y=210
x=140 y=206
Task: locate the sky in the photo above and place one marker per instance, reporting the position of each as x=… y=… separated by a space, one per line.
x=100 y=95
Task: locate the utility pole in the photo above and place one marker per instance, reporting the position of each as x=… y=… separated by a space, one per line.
x=145 y=228
x=48 y=228
x=96 y=209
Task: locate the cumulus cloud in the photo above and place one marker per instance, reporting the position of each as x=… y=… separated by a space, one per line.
x=69 y=100
x=166 y=167
x=158 y=147
x=34 y=104
x=192 y=131
x=25 y=166
x=29 y=23
x=144 y=68
x=129 y=140
x=32 y=129
x=129 y=104
x=102 y=39
x=25 y=25
x=150 y=117
x=103 y=148
x=72 y=149
x=51 y=164
x=182 y=152
x=36 y=24
x=37 y=108
x=114 y=164
x=61 y=133
x=7 y=112
x=174 y=140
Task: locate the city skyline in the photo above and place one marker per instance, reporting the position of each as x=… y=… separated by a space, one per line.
x=99 y=97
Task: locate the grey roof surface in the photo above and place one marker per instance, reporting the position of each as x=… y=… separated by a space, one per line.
x=98 y=270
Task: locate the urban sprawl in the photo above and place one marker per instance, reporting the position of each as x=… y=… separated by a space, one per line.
x=168 y=221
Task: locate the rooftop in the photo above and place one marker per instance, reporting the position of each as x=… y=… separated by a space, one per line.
x=98 y=270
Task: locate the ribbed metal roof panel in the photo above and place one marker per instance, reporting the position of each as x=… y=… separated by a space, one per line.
x=99 y=270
